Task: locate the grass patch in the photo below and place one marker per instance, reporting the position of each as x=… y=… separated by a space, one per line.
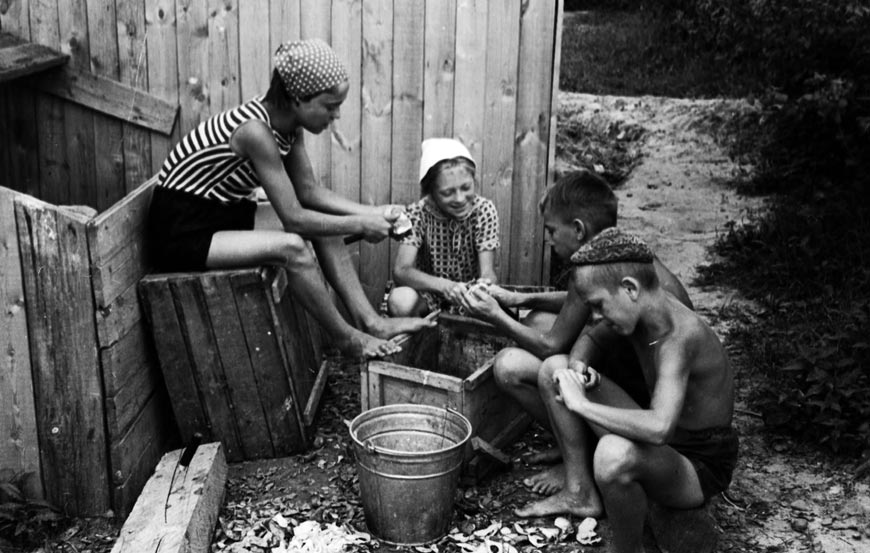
x=621 y=52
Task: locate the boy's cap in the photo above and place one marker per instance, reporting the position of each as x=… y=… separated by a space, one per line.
x=613 y=246
x=439 y=149
x=307 y=67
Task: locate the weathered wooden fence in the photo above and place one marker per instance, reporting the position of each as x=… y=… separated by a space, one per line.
x=480 y=70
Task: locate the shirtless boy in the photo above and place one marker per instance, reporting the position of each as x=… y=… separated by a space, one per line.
x=577 y=207
x=681 y=449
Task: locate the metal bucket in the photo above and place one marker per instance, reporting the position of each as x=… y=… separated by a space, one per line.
x=409 y=458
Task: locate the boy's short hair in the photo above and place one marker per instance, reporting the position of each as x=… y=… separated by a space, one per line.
x=583 y=195
x=614 y=254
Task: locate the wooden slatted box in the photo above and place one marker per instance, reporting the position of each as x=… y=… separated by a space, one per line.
x=450 y=365
x=240 y=357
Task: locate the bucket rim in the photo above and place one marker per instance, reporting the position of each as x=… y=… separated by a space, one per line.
x=413 y=406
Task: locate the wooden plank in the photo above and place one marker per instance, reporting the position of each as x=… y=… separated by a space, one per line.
x=468 y=100
x=534 y=96
x=110 y=231
x=54 y=169
x=19 y=58
x=149 y=436
x=551 y=155
x=133 y=72
x=276 y=396
x=417 y=376
x=223 y=55
x=408 y=56
x=118 y=318
x=197 y=324
x=316 y=393
x=22 y=171
x=79 y=122
x=292 y=328
x=238 y=371
x=186 y=521
x=175 y=364
x=495 y=170
x=254 y=49
x=193 y=69
x=108 y=150
x=346 y=138
x=123 y=361
x=19 y=446
x=112 y=98
x=284 y=23
x=131 y=396
x=439 y=74
x=377 y=64
x=162 y=70
x=67 y=387
x=315 y=18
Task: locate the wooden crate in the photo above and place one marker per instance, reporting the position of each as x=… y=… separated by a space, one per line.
x=450 y=365
x=240 y=358
x=98 y=403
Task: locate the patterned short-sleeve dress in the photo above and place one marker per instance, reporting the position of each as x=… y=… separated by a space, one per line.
x=448 y=247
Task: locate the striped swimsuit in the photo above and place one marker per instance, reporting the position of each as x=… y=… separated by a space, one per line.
x=203 y=164
x=203 y=188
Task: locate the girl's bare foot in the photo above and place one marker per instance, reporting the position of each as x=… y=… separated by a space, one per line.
x=547 y=481
x=360 y=344
x=564 y=502
x=389 y=327
x=546 y=457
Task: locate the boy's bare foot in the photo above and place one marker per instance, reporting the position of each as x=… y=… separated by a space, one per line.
x=564 y=502
x=360 y=344
x=547 y=481
x=389 y=327
x=546 y=457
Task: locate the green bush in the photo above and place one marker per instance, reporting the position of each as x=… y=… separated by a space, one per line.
x=805 y=262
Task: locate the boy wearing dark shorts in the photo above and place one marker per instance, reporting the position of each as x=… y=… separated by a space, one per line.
x=681 y=449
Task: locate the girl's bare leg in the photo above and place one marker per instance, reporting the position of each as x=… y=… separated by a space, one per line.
x=335 y=261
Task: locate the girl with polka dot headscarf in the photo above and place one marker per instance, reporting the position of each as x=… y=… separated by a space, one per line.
x=205 y=215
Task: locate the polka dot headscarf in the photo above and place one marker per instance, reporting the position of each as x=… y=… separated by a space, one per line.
x=613 y=246
x=308 y=67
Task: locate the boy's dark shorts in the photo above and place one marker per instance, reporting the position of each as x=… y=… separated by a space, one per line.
x=713 y=453
x=181 y=226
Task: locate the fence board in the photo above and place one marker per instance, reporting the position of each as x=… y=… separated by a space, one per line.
x=54 y=173
x=223 y=55
x=19 y=449
x=377 y=63
x=193 y=68
x=468 y=101
x=253 y=49
x=133 y=71
x=532 y=135
x=346 y=137
x=66 y=377
x=162 y=69
x=315 y=23
x=439 y=76
x=408 y=56
x=496 y=166
x=79 y=122
x=284 y=23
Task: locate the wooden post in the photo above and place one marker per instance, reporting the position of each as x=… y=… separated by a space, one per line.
x=179 y=505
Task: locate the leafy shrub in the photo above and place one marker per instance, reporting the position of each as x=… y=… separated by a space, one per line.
x=805 y=262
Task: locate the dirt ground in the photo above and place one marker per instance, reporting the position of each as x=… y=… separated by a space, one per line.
x=784 y=498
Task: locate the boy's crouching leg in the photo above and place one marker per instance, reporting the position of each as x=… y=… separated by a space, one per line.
x=615 y=464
